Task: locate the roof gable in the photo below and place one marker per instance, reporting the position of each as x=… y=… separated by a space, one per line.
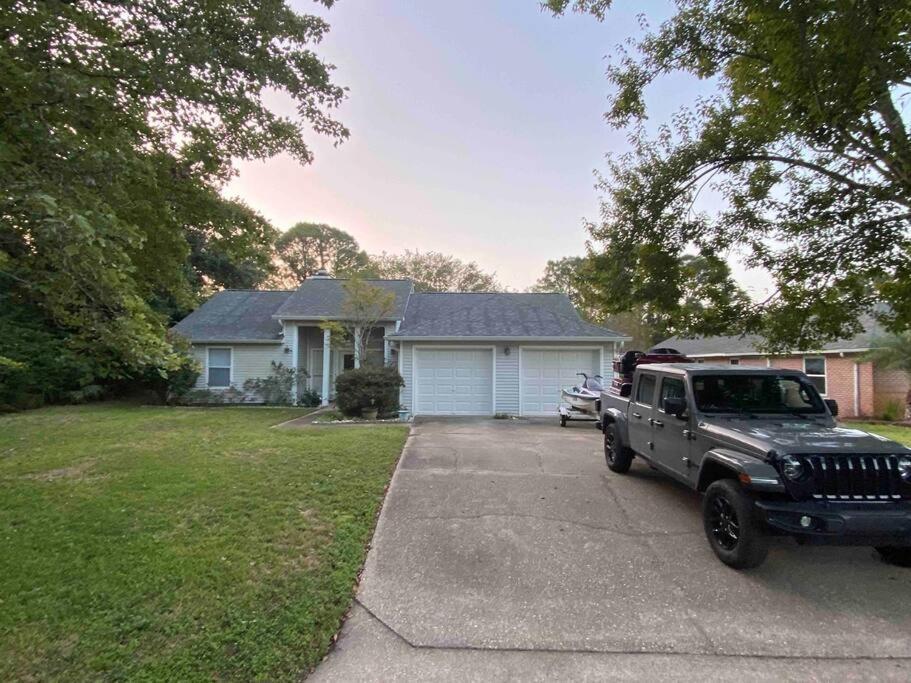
x=320 y=298
x=486 y=314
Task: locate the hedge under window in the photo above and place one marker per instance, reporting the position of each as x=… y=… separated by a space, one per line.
x=815 y=369
x=219 y=367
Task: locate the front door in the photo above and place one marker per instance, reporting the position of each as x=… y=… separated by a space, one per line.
x=640 y=414
x=670 y=435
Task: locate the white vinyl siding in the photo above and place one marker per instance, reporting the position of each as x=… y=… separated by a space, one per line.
x=506 y=379
x=247 y=361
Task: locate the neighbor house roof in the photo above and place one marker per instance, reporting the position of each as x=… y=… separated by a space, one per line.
x=323 y=298
x=749 y=344
x=235 y=315
x=448 y=315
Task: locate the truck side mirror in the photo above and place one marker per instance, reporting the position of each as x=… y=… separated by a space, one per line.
x=832 y=405
x=674 y=405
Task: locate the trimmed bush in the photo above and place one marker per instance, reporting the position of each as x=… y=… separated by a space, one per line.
x=368 y=387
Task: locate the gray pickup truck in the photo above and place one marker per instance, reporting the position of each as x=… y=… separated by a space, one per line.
x=764 y=449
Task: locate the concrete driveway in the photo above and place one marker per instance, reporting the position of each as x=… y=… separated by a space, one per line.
x=506 y=549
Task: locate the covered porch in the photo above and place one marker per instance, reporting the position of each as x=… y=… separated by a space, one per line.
x=314 y=351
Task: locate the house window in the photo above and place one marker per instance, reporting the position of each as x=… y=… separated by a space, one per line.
x=219 y=368
x=815 y=369
x=348 y=361
x=735 y=361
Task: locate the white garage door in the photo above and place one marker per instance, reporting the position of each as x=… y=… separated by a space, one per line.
x=453 y=382
x=545 y=373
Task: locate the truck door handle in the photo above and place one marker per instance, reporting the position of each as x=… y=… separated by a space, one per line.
x=637 y=415
x=687 y=434
x=657 y=423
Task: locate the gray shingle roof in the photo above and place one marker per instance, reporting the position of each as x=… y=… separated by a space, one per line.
x=748 y=344
x=235 y=315
x=450 y=314
x=324 y=298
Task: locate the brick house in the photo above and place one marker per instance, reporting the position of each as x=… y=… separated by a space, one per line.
x=862 y=388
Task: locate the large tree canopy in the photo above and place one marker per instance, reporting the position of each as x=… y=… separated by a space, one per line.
x=308 y=247
x=805 y=145
x=120 y=125
x=432 y=271
x=706 y=301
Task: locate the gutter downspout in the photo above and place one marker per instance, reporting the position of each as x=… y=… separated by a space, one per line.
x=856 y=389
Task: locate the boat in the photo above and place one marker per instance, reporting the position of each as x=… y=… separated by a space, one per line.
x=583 y=401
x=625 y=365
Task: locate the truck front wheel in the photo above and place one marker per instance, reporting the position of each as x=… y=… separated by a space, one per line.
x=619 y=458
x=733 y=531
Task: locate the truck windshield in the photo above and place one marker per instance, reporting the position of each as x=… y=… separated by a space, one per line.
x=734 y=393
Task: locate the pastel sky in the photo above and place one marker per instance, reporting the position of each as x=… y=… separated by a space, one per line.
x=476 y=127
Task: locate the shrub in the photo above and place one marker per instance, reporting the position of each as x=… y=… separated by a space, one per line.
x=368 y=387
x=309 y=398
x=892 y=411
x=276 y=389
x=172 y=384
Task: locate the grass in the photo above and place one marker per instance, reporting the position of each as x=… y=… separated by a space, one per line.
x=900 y=434
x=180 y=544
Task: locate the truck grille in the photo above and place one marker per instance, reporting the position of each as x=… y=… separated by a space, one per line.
x=856 y=477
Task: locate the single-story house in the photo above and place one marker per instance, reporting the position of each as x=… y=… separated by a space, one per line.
x=459 y=353
x=839 y=370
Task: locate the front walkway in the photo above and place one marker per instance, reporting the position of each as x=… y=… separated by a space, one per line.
x=506 y=549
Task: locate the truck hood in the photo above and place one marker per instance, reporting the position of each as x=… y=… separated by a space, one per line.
x=796 y=436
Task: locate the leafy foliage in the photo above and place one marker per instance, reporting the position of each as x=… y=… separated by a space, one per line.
x=278 y=387
x=432 y=271
x=308 y=247
x=700 y=297
x=365 y=305
x=120 y=125
x=805 y=146
x=368 y=387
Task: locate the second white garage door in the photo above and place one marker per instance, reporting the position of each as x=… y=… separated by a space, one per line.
x=545 y=372
x=453 y=381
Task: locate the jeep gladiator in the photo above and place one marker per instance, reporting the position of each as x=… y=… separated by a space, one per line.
x=764 y=448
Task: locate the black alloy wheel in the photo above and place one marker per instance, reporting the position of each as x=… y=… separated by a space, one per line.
x=618 y=457
x=735 y=534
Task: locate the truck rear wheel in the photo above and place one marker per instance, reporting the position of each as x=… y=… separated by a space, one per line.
x=896 y=555
x=619 y=458
x=735 y=534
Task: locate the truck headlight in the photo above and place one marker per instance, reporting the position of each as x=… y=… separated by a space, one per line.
x=792 y=467
x=904 y=467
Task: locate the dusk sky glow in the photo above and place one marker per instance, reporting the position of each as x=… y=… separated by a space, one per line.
x=475 y=131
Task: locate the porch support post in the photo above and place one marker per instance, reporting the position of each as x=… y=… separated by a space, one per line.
x=326 y=368
x=295 y=361
x=358 y=334
x=387 y=346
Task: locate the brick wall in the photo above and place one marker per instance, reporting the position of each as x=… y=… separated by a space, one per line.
x=891 y=385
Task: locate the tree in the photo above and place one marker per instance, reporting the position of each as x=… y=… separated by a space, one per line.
x=804 y=145
x=364 y=306
x=432 y=271
x=704 y=301
x=309 y=247
x=121 y=122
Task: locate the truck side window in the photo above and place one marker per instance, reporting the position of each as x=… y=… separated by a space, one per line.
x=671 y=387
x=646 y=390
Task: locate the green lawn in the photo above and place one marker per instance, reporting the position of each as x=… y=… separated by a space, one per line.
x=900 y=434
x=180 y=543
